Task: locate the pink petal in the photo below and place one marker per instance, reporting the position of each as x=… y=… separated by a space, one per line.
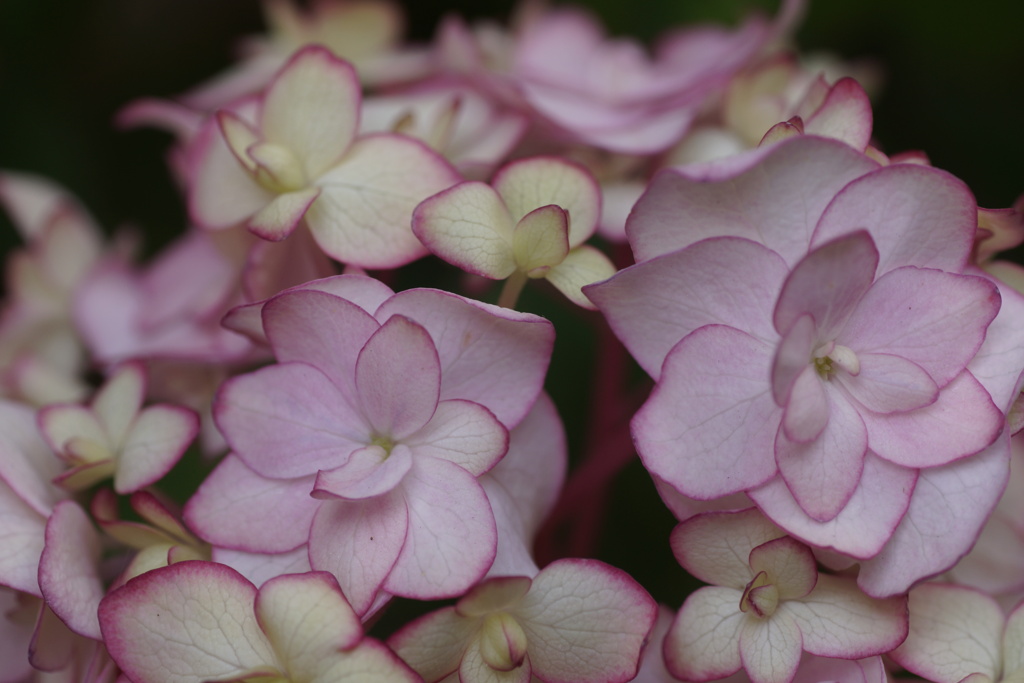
x=489 y=355
x=917 y=216
x=754 y=201
x=26 y=461
x=994 y=364
x=824 y=473
x=278 y=219
x=157 y=440
x=120 y=399
x=585 y=621
x=949 y=507
x=318 y=328
x=398 y=378
x=653 y=305
x=807 y=410
x=359 y=543
x=69 y=569
x=21 y=535
x=703 y=642
x=889 y=384
x=464 y=433
x=937 y=320
x=312 y=108
x=863 y=526
x=237 y=508
x=527 y=184
x=369 y=472
x=451 y=541
x=844 y=115
x=793 y=357
x=193 y=618
x=364 y=212
x=963 y=420
x=709 y=426
x=288 y=409
x=827 y=284
x=838 y=620
x=946 y=619
x=790 y=566
x=715 y=546
x=307 y=621
x=259 y=568
x=770 y=648
x=469 y=226
x=222 y=193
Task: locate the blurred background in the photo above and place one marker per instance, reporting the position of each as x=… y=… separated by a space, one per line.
x=954 y=81
x=953 y=86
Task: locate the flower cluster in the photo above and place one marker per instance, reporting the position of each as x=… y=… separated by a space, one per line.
x=259 y=453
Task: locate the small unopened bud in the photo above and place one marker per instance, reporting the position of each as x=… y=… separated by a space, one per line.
x=502 y=642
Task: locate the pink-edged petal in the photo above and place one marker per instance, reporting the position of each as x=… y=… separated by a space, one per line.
x=715 y=547
x=370 y=662
x=464 y=433
x=528 y=184
x=192 y=618
x=493 y=595
x=27 y=464
x=489 y=355
x=709 y=427
x=369 y=472
x=827 y=284
x=22 y=533
x=524 y=486
x=288 y=421
x=963 y=420
x=433 y=645
x=823 y=474
x=306 y=619
x=223 y=193
x=770 y=648
x=703 y=642
x=451 y=540
x=844 y=115
x=469 y=226
x=814 y=669
x=582 y=266
x=994 y=364
x=363 y=215
x=653 y=305
x=585 y=621
x=398 y=378
x=789 y=564
x=917 y=216
x=16 y=635
x=838 y=620
x=889 y=384
x=540 y=240
x=359 y=543
x=69 y=569
x=119 y=400
x=861 y=528
x=157 y=440
x=955 y=631
x=752 y=197
x=312 y=108
x=807 y=410
x=237 y=508
x=318 y=328
x=64 y=424
x=937 y=320
x=282 y=215
x=949 y=506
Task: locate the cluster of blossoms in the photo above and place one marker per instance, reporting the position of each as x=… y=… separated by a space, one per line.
x=834 y=361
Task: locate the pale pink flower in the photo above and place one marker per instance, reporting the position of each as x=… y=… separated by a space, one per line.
x=767 y=604
x=199 y=621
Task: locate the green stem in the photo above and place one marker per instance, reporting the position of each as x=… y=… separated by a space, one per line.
x=513 y=287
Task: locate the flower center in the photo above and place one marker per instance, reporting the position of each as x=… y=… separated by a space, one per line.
x=760 y=597
x=830 y=357
x=384 y=442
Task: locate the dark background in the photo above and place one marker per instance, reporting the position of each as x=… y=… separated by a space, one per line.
x=953 y=88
